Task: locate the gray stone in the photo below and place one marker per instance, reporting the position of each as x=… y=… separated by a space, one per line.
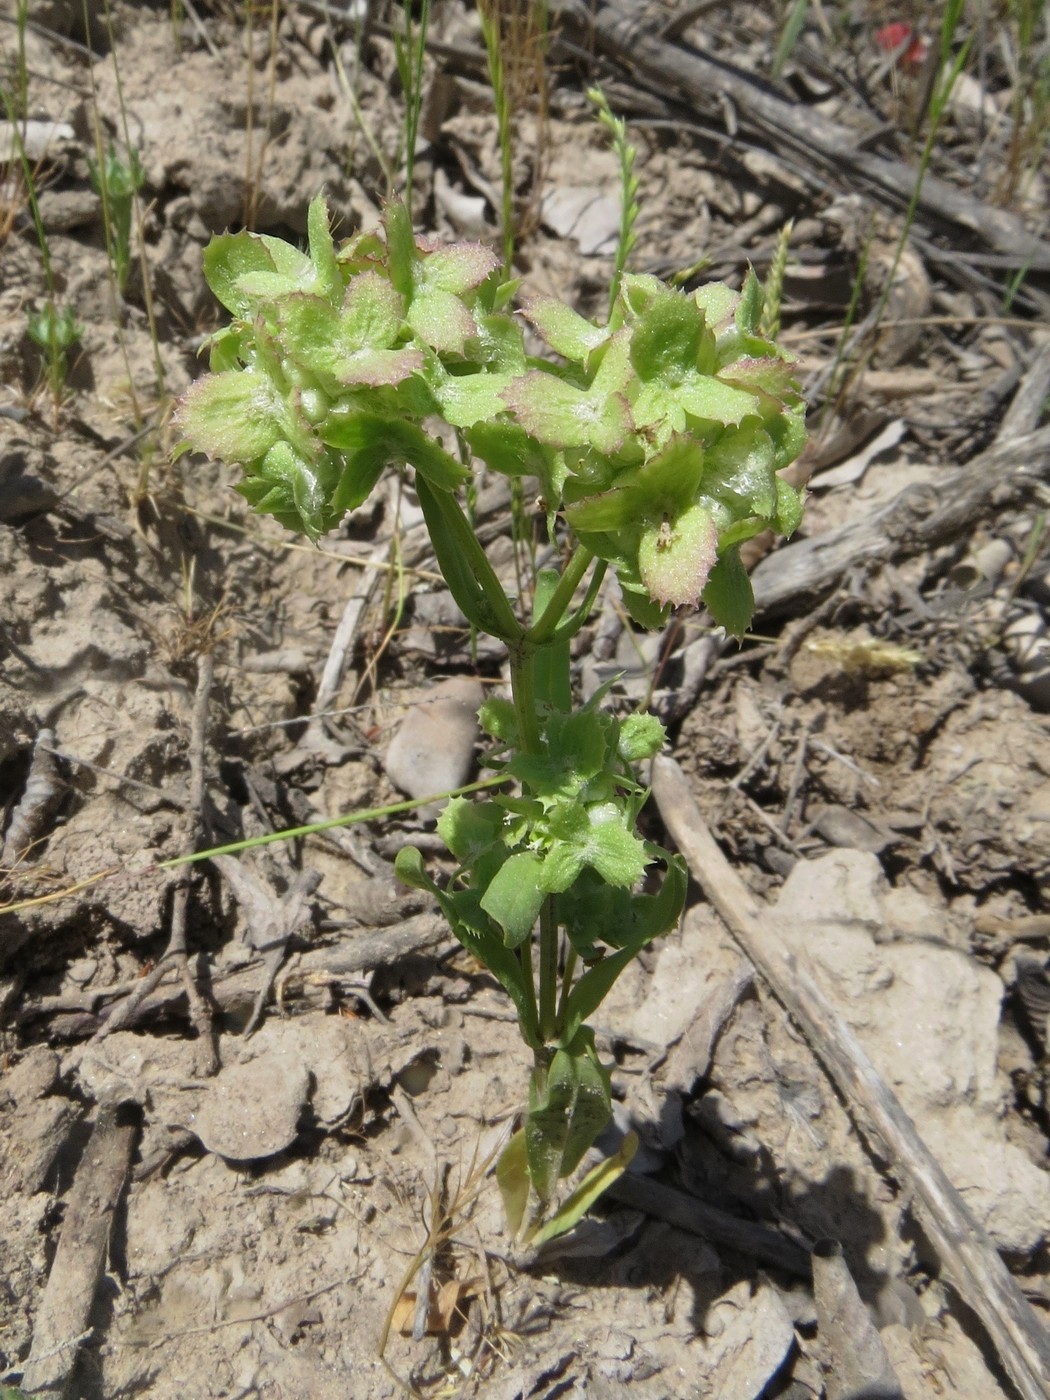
x=252 y=1110
x=433 y=751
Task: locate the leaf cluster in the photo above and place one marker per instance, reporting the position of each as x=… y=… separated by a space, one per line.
x=570 y=836
x=659 y=435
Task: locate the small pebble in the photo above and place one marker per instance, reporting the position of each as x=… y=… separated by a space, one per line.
x=433 y=750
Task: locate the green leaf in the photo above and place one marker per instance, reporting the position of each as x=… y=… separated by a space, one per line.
x=512 y=1176
x=675 y=557
x=441 y=321
x=514 y=896
x=401 y=247
x=322 y=250
x=361 y=471
x=591 y=1188
x=372 y=314
x=446 y=525
x=411 y=871
x=429 y=458
x=351 y=346
x=790 y=507
x=508 y=449
x=472 y=399
x=569 y=1105
x=643 y=917
x=561 y=415
x=236 y=416
x=749 y=309
x=469 y=829
x=499 y=345
x=228 y=258
x=295 y=273
x=389 y=440
x=479 y=936
x=615 y=853
x=665 y=485
x=565 y=331
x=641 y=736
x=642 y=609
x=639 y=290
x=455 y=267
x=579 y=744
x=773 y=374
x=666 y=342
x=739 y=472
x=788 y=431
x=591 y=911
x=704 y=396
x=728 y=596
x=718 y=302
x=499 y=720
x=437 y=283
x=562 y=864
x=296 y=492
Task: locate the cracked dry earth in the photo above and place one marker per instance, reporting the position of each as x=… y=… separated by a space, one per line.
x=261 y=1168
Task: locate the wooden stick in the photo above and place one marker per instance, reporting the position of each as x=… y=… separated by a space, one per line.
x=236 y=992
x=63 y=1320
x=685 y=1212
x=919 y=517
x=968 y=1256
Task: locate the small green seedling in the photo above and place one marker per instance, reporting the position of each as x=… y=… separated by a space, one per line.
x=656 y=440
x=117 y=181
x=56 y=330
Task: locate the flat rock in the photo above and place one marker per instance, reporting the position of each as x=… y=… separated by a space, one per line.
x=928 y=1015
x=252 y=1110
x=433 y=751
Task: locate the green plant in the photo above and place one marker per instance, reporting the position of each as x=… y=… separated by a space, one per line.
x=20 y=72
x=515 y=33
x=410 y=47
x=656 y=441
x=626 y=154
x=56 y=330
x=950 y=66
x=253 y=165
x=117 y=181
x=1024 y=43
x=789 y=35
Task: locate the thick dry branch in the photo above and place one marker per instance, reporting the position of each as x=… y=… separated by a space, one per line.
x=237 y=993
x=838 y=152
x=63 y=1319
x=968 y=1256
x=919 y=518
x=709 y=1223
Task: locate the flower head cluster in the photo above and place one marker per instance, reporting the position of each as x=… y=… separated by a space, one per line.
x=660 y=436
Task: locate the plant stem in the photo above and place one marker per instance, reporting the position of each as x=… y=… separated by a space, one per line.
x=543 y=629
x=523 y=692
x=523 y=688
x=572 y=625
x=465 y=566
x=525 y=954
x=548 y=971
x=566 y=985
